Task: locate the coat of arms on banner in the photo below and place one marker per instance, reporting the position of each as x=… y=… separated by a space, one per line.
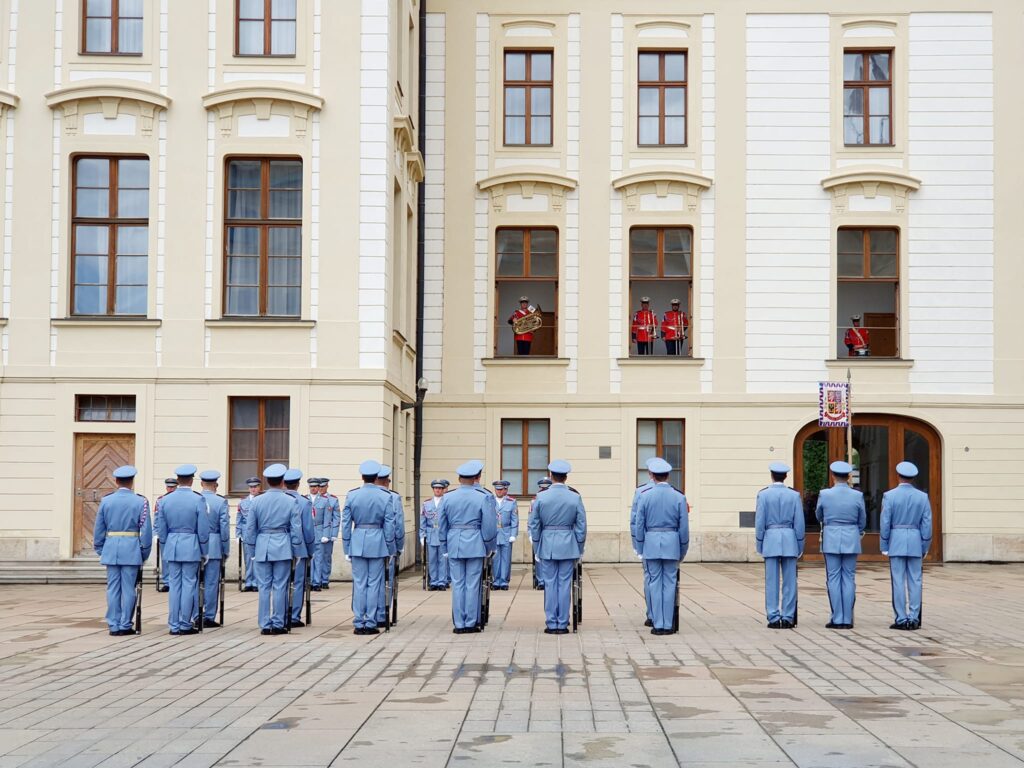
x=833 y=404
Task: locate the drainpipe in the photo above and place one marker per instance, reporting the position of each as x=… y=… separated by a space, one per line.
x=421 y=195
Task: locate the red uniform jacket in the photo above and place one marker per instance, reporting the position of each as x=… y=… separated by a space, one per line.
x=674 y=326
x=858 y=338
x=644 y=324
x=515 y=316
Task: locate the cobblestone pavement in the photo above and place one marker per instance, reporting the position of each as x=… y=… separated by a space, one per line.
x=726 y=691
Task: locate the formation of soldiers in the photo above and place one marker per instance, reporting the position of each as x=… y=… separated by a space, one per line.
x=467 y=532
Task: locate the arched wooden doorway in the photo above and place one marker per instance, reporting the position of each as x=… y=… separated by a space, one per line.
x=880 y=441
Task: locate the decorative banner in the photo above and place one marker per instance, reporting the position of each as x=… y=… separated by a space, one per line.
x=833 y=403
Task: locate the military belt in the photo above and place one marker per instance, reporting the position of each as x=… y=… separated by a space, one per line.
x=660 y=530
x=273 y=530
x=369 y=525
x=569 y=528
x=123 y=533
x=182 y=530
x=781 y=525
x=465 y=527
x=909 y=527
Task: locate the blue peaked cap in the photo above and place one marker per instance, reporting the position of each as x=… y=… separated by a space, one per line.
x=209 y=475
x=185 y=470
x=779 y=467
x=292 y=475
x=906 y=469
x=125 y=473
x=369 y=467
x=471 y=468
x=840 y=467
x=560 y=467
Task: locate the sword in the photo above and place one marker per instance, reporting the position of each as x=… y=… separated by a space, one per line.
x=202 y=595
x=675 y=609
x=426 y=563
x=138 y=602
x=309 y=591
x=387 y=596
x=394 y=591
x=241 y=565
x=291 y=591
x=223 y=570
x=158 y=561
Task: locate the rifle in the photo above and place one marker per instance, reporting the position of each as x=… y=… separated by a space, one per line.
x=394 y=591
x=138 y=602
x=577 y=594
x=291 y=591
x=158 y=561
x=387 y=597
x=223 y=570
x=675 y=610
x=485 y=592
x=309 y=590
x=241 y=567
x=426 y=564
x=202 y=595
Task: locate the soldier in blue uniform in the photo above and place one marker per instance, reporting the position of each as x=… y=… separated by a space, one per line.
x=843 y=517
x=304 y=551
x=384 y=481
x=218 y=549
x=274 y=531
x=508 y=530
x=906 y=535
x=558 y=530
x=368 y=539
x=321 y=533
x=184 y=529
x=779 y=530
x=648 y=622
x=240 y=522
x=542 y=485
x=333 y=525
x=468 y=530
x=170 y=485
x=437 y=564
x=663 y=534
x=122 y=537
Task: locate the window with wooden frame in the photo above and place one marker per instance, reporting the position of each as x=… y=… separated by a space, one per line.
x=263 y=237
x=663 y=438
x=661 y=99
x=526 y=267
x=661 y=270
x=525 y=454
x=110 y=235
x=112 y=27
x=265 y=27
x=868 y=289
x=528 y=94
x=259 y=436
x=867 y=97
x=105 y=408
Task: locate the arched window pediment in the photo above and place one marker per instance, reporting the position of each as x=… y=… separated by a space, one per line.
x=110 y=96
x=405 y=145
x=8 y=100
x=262 y=100
x=868 y=182
x=662 y=182
x=524 y=183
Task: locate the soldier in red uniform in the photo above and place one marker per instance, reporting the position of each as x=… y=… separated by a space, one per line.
x=644 y=328
x=523 y=340
x=675 y=327
x=857 y=339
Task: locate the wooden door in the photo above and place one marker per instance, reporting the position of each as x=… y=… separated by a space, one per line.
x=882 y=327
x=96 y=457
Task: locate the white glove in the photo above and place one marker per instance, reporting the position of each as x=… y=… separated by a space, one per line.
x=885 y=553
x=639 y=556
x=156 y=536
x=205 y=560
x=334 y=538
x=445 y=554
x=423 y=542
x=324 y=540
x=511 y=539
x=348 y=558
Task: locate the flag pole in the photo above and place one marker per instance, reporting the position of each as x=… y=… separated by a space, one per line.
x=849 y=419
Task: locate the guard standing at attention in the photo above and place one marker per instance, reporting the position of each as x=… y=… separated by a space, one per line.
x=302 y=553
x=906 y=535
x=320 y=533
x=857 y=340
x=170 y=486
x=184 y=529
x=240 y=522
x=384 y=481
x=219 y=545
x=843 y=517
x=368 y=539
x=644 y=328
x=333 y=525
x=648 y=622
x=468 y=530
x=559 y=532
x=122 y=537
x=542 y=485
x=674 y=328
x=274 y=531
x=779 y=530
x=508 y=530
x=430 y=512
x=663 y=533
x=523 y=341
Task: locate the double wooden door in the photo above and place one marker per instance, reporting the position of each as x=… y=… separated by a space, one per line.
x=96 y=457
x=879 y=443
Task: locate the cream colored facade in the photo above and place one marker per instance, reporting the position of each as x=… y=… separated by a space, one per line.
x=765 y=182
x=346 y=104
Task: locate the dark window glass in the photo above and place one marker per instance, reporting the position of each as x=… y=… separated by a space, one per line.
x=661 y=98
x=525 y=454
x=104 y=407
x=265 y=28
x=259 y=437
x=528 y=94
x=867 y=98
x=112 y=27
x=664 y=438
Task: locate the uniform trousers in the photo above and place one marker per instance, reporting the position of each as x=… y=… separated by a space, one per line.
x=778 y=607
x=299 y=588
x=326 y=562
x=272 y=582
x=389 y=565
x=661 y=591
x=466 y=575
x=211 y=591
x=250 y=572
x=502 y=565
x=906 y=587
x=367 y=590
x=317 y=563
x=163 y=569
x=437 y=566
x=557 y=577
x=182 y=578
x=840 y=578
x=121 y=596
x=647 y=587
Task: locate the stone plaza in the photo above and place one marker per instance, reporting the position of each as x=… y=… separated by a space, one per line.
x=725 y=691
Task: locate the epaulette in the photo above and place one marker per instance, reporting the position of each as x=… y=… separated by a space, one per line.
x=222 y=496
x=644 y=490
x=763 y=490
x=142 y=497
x=108 y=494
x=677 y=490
x=197 y=493
x=573 y=490
x=355 y=489
x=484 y=491
x=332 y=495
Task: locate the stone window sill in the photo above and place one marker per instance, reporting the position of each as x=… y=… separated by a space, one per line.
x=517 y=361
x=106 y=322
x=869 y=362
x=259 y=322
x=695 y=362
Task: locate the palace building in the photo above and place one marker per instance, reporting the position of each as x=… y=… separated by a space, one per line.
x=243 y=231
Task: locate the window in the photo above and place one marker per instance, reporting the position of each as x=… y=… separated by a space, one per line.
x=259 y=437
x=265 y=28
x=110 y=236
x=868 y=289
x=527 y=267
x=104 y=407
x=867 y=98
x=525 y=454
x=112 y=26
x=664 y=438
x=528 y=98
x=661 y=98
x=263 y=238
x=661 y=270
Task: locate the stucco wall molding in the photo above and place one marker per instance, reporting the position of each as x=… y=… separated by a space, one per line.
x=110 y=96
x=262 y=99
x=662 y=183
x=869 y=182
x=526 y=182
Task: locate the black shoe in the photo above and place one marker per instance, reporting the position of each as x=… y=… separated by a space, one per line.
x=174 y=633
x=833 y=625
x=211 y=623
x=189 y=631
x=477 y=628
x=371 y=631
x=775 y=625
x=252 y=589
x=661 y=632
x=550 y=631
x=845 y=626
x=278 y=631
x=315 y=589
x=297 y=623
x=114 y=633
x=897 y=625
x=267 y=631
x=327 y=586
x=648 y=623
x=163 y=588
x=913 y=626
x=562 y=631
x=786 y=624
